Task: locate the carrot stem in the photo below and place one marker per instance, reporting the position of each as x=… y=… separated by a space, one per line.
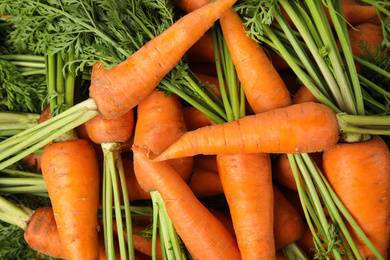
x=13 y=214
x=293 y=251
x=107 y=214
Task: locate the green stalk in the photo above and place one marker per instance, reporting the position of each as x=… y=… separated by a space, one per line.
x=18 y=173
x=293 y=251
x=13 y=214
x=107 y=212
x=51 y=80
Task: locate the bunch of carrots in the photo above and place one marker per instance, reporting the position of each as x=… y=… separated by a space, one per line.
x=303 y=171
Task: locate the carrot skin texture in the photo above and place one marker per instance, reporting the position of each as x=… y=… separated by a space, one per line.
x=359 y=173
x=122 y=87
x=301 y=128
x=71 y=173
x=42 y=233
x=263 y=86
x=203 y=234
x=160 y=122
x=288 y=224
x=246 y=180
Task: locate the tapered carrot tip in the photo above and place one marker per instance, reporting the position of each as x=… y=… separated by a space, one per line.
x=302 y=128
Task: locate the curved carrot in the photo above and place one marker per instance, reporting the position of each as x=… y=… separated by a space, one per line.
x=263 y=86
x=160 y=122
x=42 y=234
x=71 y=174
x=301 y=128
x=359 y=173
x=122 y=87
x=203 y=234
x=251 y=203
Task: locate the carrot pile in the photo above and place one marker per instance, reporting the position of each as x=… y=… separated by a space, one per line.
x=222 y=164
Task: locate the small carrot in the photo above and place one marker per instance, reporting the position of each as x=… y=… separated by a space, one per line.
x=300 y=128
x=160 y=122
x=205 y=183
x=122 y=87
x=359 y=174
x=42 y=234
x=303 y=95
x=71 y=173
x=202 y=50
x=194 y=118
x=211 y=240
x=262 y=84
x=289 y=226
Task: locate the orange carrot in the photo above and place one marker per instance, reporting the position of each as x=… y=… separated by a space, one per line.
x=211 y=240
x=42 y=233
x=205 y=183
x=262 y=84
x=194 y=118
x=288 y=223
x=160 y=122
x=134 y=189
x=71 y=173
x=189 y=5
x=303 y=95
x=300 y=128
x=251 y=202
x=121 y=88
x=202 y=50
x=359 y=173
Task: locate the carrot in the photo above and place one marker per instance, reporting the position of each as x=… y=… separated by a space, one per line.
x=42 y=234
x=194 y=118
x=71 y=173
x=205 y=78
x=280 y=255
x=160 y=122
x=134 y=189
x=189 y=5
x=211 y=240
x=144 y=245
x=359 y=174
x=303 y=95
x=139 y=74
x=202 y=50
x=262 y=84
x=288 y=223
x=205 y=183
x=283 y=174
x=207 y=162
x=301 y=128
x=250 y=200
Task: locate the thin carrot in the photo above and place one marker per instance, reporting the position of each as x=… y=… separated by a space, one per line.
x=262 y=84
x=136 y=77
x=71 y=173
x=42 y=234
x=301 y=128
x=359 y=174
x=211 y=240
x=160 y=122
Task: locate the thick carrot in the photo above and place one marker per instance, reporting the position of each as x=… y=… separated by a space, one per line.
x=301 y=128
x=134 y=189
x=42 y=234
x=262 y=84
x=71 y=173
x=160 y=122
x=203 y=234
x=359 y=173
x=251 y=202
x=121 y=88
